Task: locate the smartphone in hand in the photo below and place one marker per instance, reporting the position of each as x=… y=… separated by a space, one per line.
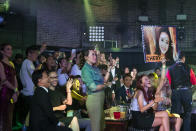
x=73 y=52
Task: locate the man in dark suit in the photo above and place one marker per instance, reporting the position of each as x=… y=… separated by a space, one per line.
x=124 y=94
x=41 y=113
x=115 y=76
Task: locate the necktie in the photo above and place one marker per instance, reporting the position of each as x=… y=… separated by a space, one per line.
x=127 y=91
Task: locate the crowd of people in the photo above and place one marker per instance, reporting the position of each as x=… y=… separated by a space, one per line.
x=54 y=92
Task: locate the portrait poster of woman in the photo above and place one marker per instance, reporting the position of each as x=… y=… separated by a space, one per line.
x=159 y=42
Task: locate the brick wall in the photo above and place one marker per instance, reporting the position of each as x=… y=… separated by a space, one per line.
x=58 y=23
x=62 y=22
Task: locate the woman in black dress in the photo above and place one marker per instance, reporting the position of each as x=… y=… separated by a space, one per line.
x=143 y=101
x=59 y=101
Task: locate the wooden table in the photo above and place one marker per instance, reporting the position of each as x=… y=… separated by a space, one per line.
x=116 y=125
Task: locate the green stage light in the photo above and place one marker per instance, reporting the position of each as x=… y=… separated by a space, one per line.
x=115 y=49
x=4 y=5
x=89 y=13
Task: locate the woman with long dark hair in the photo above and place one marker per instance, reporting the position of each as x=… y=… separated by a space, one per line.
x=165 y=47
x=143 y=100
x=8 y=88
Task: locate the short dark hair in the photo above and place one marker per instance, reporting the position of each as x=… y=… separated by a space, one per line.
x=126 y=75
x=102 y=67
x=151 y=75
x=86 y=51
x=31 y=49
x=3 y=45
x=157 y=68
x=53 y=70
x=37 y=74
x=18 y=56
x=60 y=59
x=181 y=54
x=134 y=68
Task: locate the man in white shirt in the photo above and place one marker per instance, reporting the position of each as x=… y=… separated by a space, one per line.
x=115 y=76
x=75 y=70
x=63 y=72
x=26 y=72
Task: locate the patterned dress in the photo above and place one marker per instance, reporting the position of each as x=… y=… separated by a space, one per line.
x=6 y=107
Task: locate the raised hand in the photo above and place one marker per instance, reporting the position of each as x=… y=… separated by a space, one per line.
x=62 y=107
x=158 y=99
x=73 y=55
x=69 y=84
x=43 y=47
x=117 y=59
x=175 y=54
x=97 y=52
x=62 y=124
x=59 y=108
x=115 y=78
x=109 y=68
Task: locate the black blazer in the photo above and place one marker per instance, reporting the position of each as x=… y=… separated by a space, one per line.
x=117 y=74
x=121 y=94
x=41 y=113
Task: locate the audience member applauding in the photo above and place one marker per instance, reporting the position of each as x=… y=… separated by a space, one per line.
x=41 y=114
x=94 y=81
x=59 y=101
x=115 y=75
x=142 y=102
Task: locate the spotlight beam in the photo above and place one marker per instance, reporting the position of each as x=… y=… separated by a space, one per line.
x=89 y=14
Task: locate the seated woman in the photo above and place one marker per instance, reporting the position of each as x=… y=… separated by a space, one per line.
x=78 y=106
x=142 y=102
x=59 y=101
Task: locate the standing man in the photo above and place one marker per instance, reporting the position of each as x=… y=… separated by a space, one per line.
x=181 y=77
x=26 y=72
x=115 y=76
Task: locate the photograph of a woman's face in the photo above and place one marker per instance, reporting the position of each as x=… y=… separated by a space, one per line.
x=159 y=43
x=164 y=42
x=164 y=46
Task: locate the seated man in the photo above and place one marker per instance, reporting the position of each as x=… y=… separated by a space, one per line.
x=124 y=94
x=41 y=113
